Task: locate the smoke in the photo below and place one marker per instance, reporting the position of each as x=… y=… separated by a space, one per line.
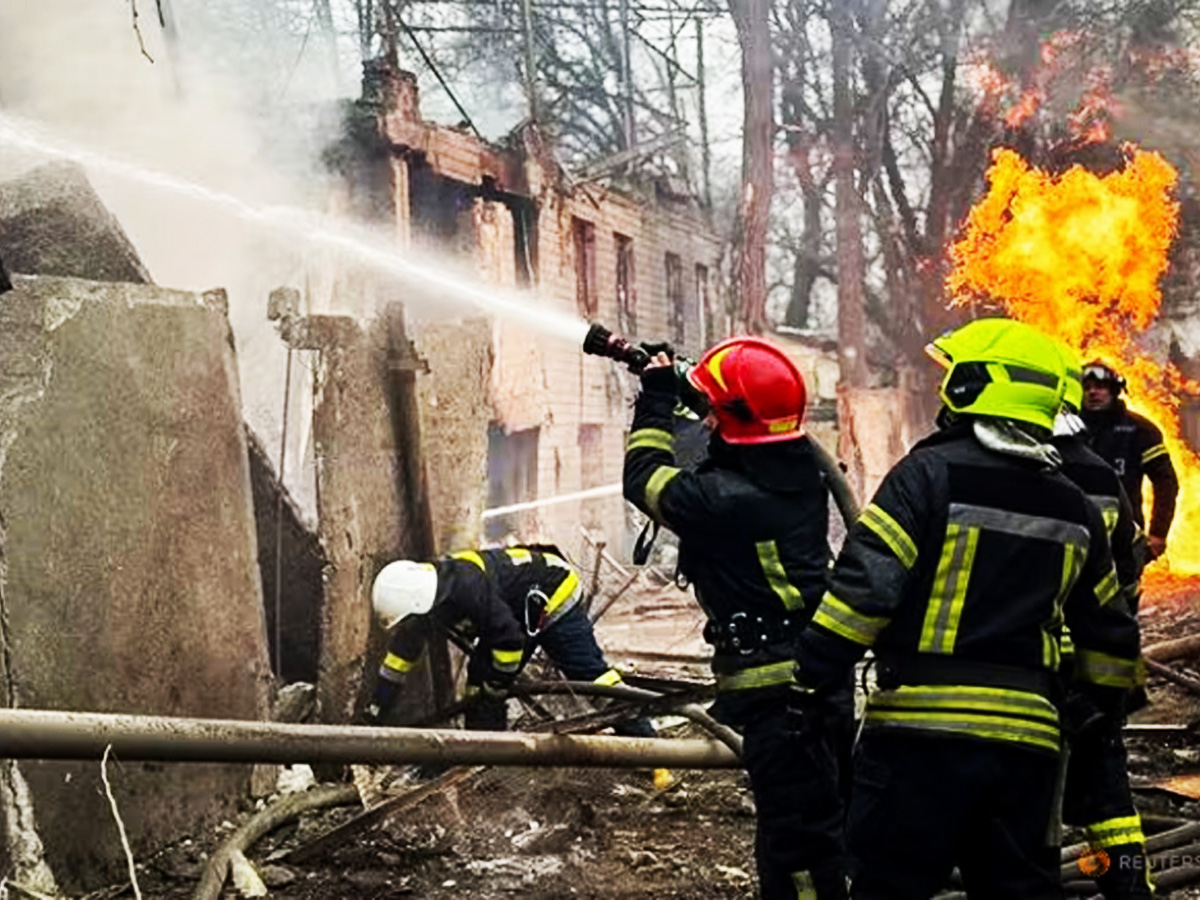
x=239 y=97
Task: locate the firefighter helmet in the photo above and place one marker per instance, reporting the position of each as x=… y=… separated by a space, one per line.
x=1104 y=374
x=1001 y=368
x=403 y=588
x=757 y=393
x=1073 y=395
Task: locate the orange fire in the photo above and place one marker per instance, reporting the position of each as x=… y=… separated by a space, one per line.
x=1080 y=256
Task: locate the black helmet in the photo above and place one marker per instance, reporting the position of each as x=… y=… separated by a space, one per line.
x=1104 y=374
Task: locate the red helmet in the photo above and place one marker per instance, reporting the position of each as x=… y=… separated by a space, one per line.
x=757 y=393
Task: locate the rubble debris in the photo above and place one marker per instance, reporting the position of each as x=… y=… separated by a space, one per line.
x=1184 y=681
x=1177 y=648
x=275 y=815
x=369 y=818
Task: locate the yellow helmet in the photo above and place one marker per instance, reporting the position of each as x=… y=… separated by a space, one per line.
x=1001 y=368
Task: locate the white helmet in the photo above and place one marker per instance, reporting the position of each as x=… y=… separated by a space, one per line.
x=403 y=588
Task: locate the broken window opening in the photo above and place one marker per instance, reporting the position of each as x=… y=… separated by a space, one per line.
x=675 y=313
x=525 y=240
x=512 y=477
x=440 y=209
x=584 y=239
x=626 y=285
x=704 y=306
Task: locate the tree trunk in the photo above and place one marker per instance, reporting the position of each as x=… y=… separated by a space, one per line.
x=851 y=267
x=752 y=18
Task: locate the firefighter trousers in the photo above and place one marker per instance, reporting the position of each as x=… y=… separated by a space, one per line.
x=799 y=842
x=1097 y=798
x=921 y=804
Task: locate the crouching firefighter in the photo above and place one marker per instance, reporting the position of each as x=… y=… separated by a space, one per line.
x=752 y=522
x=1097 y=795
x=958 y=574
x=508 y=602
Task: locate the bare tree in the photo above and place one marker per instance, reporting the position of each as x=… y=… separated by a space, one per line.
x=752 y=18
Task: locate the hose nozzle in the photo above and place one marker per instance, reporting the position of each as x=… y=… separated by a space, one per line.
x=599 y=341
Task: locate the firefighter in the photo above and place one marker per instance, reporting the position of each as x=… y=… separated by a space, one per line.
x=958 y=574
x=1133 y=446
x=508 y=602
x=752 y=520
x=1097 y=796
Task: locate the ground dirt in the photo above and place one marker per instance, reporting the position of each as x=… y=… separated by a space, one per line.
x=549 y=833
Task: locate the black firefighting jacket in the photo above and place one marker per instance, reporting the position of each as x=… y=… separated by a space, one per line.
x=1096 y=478
x=752 y=527
x=486 y=594
x=959 y=574
x=1134 y=446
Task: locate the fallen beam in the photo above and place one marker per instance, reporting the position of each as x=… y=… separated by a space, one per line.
x=1168 y=651
x=44 y=734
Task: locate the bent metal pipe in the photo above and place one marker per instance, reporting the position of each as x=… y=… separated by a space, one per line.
x=45 y=734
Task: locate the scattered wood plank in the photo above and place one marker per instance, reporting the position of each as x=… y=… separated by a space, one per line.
x=1179 y=648
x=1165 y=671
x=340 y=834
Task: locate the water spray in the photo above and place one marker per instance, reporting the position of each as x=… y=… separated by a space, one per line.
x=357 y=244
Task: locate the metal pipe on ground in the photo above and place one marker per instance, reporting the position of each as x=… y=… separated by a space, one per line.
x=45 y=734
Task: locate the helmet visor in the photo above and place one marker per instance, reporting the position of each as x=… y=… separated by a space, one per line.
x=1097 y=372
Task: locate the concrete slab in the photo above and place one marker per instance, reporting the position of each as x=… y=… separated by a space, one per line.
x=128 y=549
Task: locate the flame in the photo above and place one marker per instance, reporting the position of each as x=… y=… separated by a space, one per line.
x=1080 y=257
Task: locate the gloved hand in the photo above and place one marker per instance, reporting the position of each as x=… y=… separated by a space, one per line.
x=659 y=376
x=1088 y=707
x=494 y=689
x=804 y=710
x=653 y=348
x=372 y=715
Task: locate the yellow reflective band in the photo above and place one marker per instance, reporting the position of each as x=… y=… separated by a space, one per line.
x=507 y=660
x=1107 y=671
x=652 y=439
x=1114 y=832
x=609 y=678
x=1110 y=509
x=758 y=677
x=994 y=728
x=656 y=484
x=519 y=555
x=569 y=586
x=940 y=629
x=889 y=531
x=780 y=426
x=842 y=619
x=398 y=663
x=1154 y=453
x=470 y=556
x=1108 y=587
x=967 y=698
x=805 y=888
x=776 y=575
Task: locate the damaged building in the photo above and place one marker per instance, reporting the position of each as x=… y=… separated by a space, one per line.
x=154 y=561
